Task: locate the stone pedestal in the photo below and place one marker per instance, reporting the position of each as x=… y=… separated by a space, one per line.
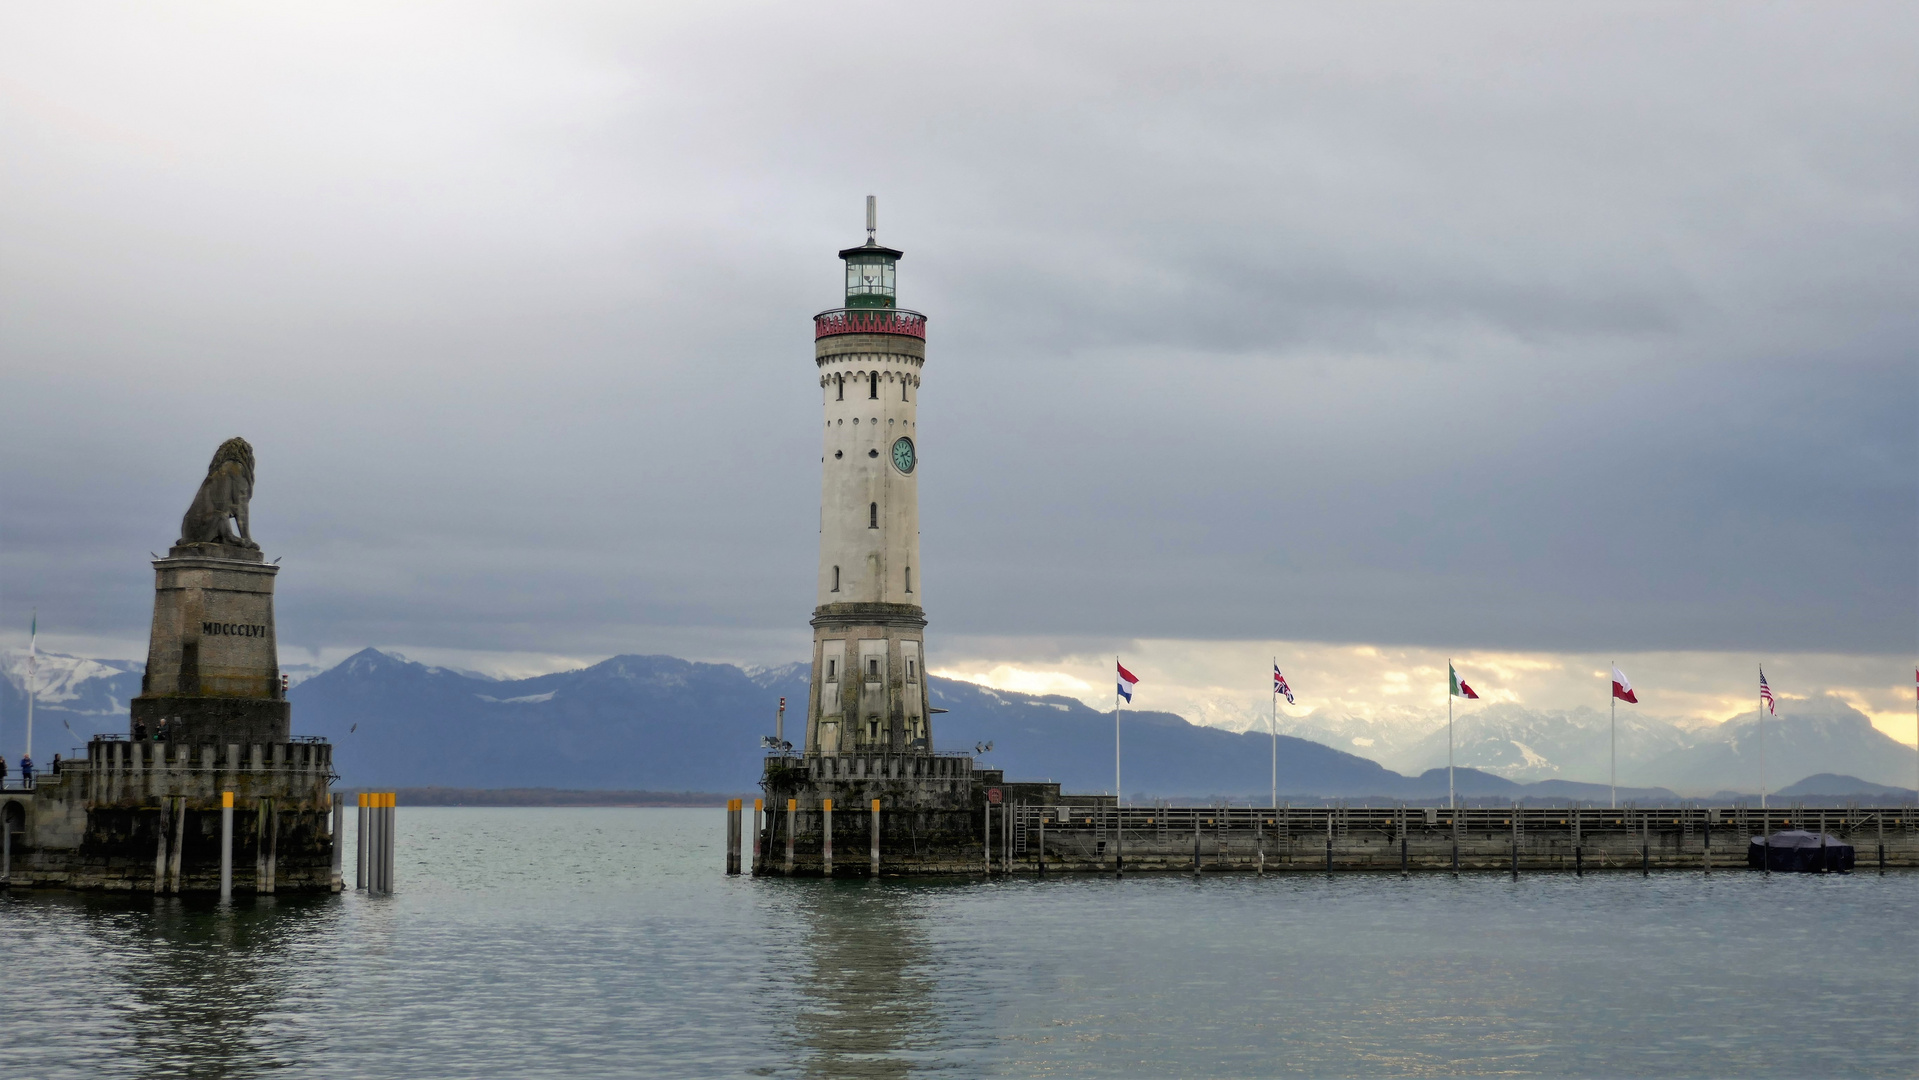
x=213 y=666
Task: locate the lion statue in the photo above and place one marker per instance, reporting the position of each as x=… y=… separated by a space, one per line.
x=223 y=497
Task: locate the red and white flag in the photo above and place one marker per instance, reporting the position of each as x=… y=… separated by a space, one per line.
x=1621 y=688
x=1127 y=680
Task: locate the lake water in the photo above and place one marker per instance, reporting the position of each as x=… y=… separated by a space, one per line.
x=606 y=942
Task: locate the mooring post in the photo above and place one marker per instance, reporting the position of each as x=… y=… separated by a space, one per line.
x=272 y=844
x=392 y=834
x=226 y=845
x=826 y=832
x=1329 y=839
x=1452 y=822
x=792 y=817
x=874 y=855
x=1196 y=843
x=1515 y=824
x=1645 y=844
x=759 y=822
x=179 y=841
x=1824 y=863
x=6 y=852
x=1880 y=817
x=1706 y=841
x=986 y=837
x=339 y=827
x=1042 y=843
x=160 y=849
x=359 y=847
x=732 y=836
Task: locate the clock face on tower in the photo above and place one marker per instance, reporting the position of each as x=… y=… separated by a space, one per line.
x=903 y=459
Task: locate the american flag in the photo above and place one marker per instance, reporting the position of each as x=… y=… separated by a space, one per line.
x=1765 y=693
x=1280 y=687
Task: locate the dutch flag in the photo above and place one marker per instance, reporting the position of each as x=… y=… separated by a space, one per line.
x=1126 y=681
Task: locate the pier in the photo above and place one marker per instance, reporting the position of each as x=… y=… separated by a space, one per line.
x=1092 y=835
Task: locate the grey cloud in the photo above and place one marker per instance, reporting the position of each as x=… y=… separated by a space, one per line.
x=1519 y=328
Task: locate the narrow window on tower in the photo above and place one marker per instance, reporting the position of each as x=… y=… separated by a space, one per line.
x=840 y=381
x=903 y=396
x=831 y=674
x=873 y=515
x=909 y=579
x=836 y=579
x=873 y=386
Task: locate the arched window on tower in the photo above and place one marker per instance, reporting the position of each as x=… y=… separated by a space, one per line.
x=873 y=386
x=840 y=381
x=873 y=515
x=903 y=384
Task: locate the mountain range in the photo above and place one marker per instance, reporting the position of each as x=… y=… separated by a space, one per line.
x=1814 y=735
x=663 y=724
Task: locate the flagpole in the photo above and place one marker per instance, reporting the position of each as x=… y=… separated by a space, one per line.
x=1613 y=775
x=1119 y=822
x=1275 y=736
x=33 y=664
x=1762 y=739
x=1452 y=801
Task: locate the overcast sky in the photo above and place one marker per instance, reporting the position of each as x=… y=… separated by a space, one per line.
x=1503 y=327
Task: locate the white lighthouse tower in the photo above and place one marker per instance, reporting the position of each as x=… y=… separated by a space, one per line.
x=869 y=675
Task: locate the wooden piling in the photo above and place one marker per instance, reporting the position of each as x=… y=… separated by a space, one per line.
x=986 y=837
x=271 y=841
x=1515 y=841
x=338 y=800
x=759 y=813
x=874 y=855
x=732 y=837
x=1041 y=850
x=160 y=847
x=392 y=834
x=179 y=837
x=826 y=833
x=792 y=817
x=226 y=845
x=359 y=849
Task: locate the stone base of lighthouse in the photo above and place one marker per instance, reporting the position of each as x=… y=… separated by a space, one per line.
x=869 y=681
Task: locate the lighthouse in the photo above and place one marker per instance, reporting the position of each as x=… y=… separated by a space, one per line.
x=868 y=692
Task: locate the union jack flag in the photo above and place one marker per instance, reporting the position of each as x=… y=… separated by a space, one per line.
x=1765 y=693
x=1280 y=687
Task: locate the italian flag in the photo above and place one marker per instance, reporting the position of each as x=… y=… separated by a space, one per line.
x=1459 y=689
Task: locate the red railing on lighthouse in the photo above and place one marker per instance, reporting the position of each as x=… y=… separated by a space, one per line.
x=869 y=321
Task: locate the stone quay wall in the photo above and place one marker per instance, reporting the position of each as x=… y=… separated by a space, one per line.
x=146 y=816
x=1165 y=838
x=942 y=833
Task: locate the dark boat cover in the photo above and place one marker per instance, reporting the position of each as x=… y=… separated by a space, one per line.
x=1798 y=851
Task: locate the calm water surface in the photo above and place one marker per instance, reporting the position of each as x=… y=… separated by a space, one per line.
x=589 y=942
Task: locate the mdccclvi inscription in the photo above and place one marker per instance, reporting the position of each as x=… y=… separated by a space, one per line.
x=215 y=629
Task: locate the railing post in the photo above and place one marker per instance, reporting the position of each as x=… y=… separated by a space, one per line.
x=875 y=855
